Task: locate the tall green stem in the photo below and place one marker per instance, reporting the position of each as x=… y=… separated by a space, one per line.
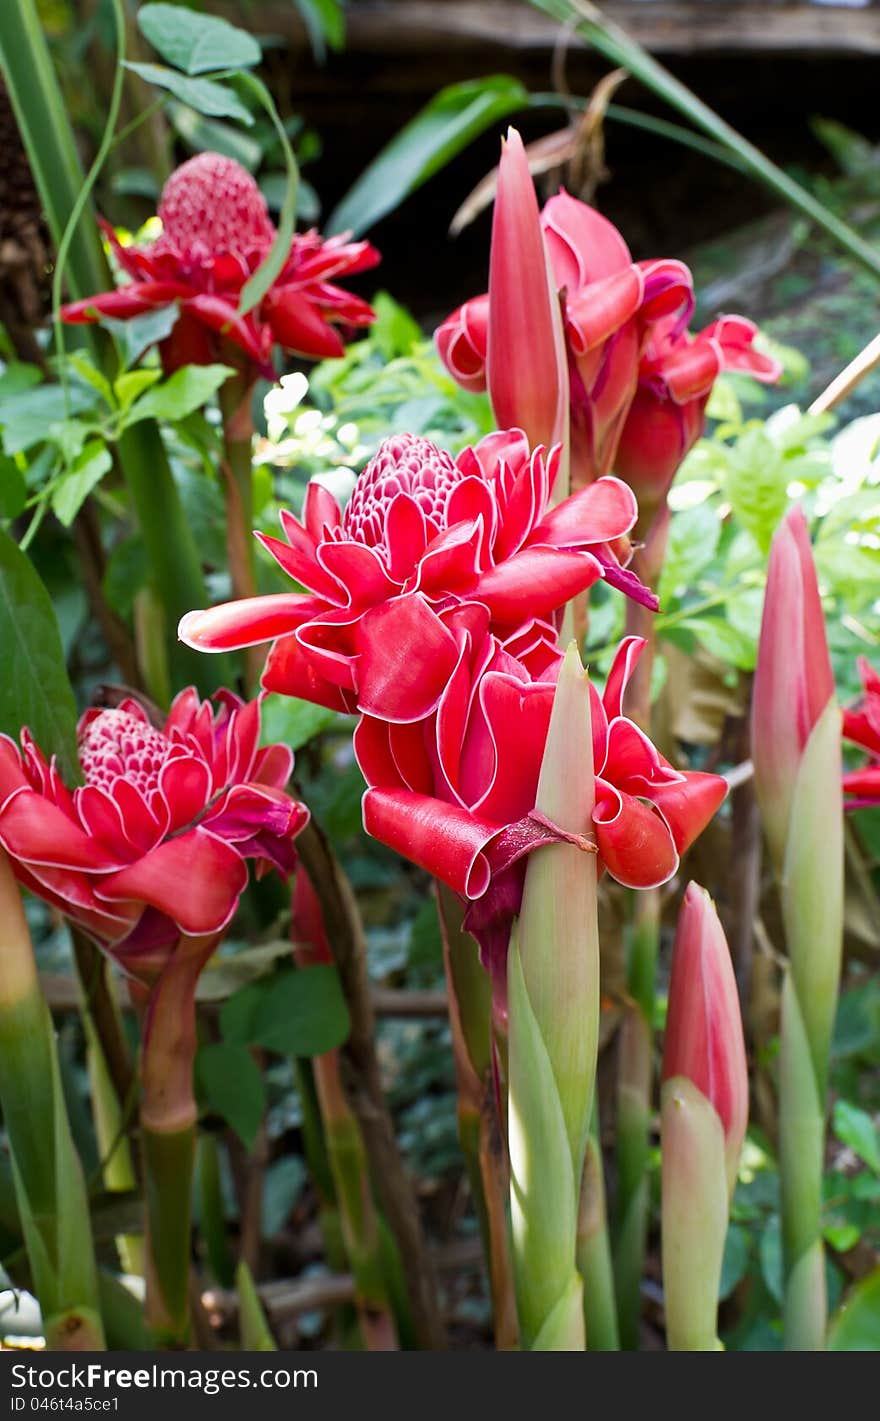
x=168 y=1135
x=49 y=1184
x=479 y=1129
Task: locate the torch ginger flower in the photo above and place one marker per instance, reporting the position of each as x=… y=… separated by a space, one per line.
x=862 y=727
x=677 y=372
x=610 y=304
x=152 y=847
x=422 y=532
x=456 y=792
x=216 y=231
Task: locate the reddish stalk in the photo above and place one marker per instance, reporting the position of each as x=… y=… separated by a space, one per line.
x=362 y=1083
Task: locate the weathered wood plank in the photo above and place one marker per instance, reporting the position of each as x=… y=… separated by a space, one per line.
x=663 y=26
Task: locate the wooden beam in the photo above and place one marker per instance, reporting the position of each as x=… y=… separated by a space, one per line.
x=664 y=27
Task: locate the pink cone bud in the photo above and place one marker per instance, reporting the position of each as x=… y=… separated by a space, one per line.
x=704 y=1035
x=526 y=363
x=793 y=679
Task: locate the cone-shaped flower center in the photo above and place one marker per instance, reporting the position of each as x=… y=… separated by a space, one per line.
x=116 y=743
x=402 y=464
x=211 y=206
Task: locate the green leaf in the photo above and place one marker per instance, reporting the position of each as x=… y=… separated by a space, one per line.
x=137 y=335
x=292 y=722
x=34 y=688
x=737 y=1251
x=210 y=135
x=771 y=1256
x=90 y=466
x=855 y=1128
x=238 y=1013
x=197 y=44
x=693 y=540
x=92 y=376
x=13 y=491
x=757 y=485
x=856 y=1325
x=325 y=23
x=187 y=390
x=232 y=1085
x=452 y=120
x=721 y=639
x=28 y=417
x=133 y=383
x=301 y=1013
x=203 y=95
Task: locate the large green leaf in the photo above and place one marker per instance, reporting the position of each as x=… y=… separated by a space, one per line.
x=233 y=1085
x=452 y=120
x=296 y=1013
x=197 y=44
x=856 y=1326
x=204 y=95
x=34 y=688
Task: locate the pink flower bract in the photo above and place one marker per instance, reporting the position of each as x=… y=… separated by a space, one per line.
x=154 y=844
x=421 y=533
x=668 y=414
x=456 y=791
x=610 y=306
x=216 y=231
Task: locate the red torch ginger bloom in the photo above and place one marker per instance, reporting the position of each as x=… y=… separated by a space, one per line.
x=862 y=727
x=456 y=792
x=668 y=414
x=422 y=532
x=216 y=231
x=610 y=306
x=153 y=846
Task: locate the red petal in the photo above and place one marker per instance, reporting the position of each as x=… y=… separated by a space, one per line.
x=291 y=672
x=635 y=844
x=622 y=667
x=406 y=658
x=195 y=879
x=688 y=807
x=599 y=513
x=406 y=536
x=595 y=312
x=584 y=246
x=247 y=622
x=535 y=583
x=442 y=838
x=37 y=832
x=360 y=572
x=299 y=326
x=186 y=786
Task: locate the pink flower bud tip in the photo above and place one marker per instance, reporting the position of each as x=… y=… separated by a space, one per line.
x=704 y=1035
